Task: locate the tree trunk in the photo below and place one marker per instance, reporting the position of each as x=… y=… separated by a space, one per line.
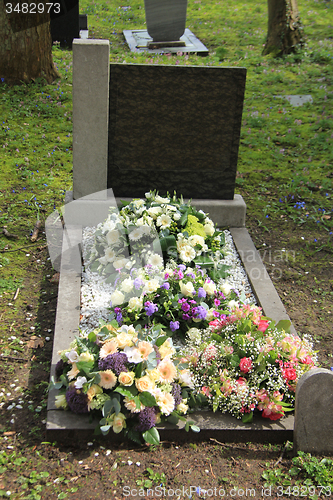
x=285 y=32
x=26 y=46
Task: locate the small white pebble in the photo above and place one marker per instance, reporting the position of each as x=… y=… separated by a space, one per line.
x=90 y=444
x=302 y=237
x=47 y=339
x=27 y=254
x=207 y=471
x=32 y=328
x=108 y=452
x=12 y=385
x=10 y=304
x=315 y=301
x=129 y=462
x=138 y=464
x=12 y=421
x=19 y=407
x=96 y=454
x=9 y=447
x=80 y=461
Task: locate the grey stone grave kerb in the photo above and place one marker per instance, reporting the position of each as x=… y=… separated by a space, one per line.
x=91 y=71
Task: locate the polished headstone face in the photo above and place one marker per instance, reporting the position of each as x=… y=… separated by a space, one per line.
x=174 y=128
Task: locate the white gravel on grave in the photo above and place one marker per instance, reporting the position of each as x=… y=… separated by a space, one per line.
x=95 y=294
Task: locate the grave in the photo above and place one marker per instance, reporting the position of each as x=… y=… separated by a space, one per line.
x=67 y=24
x=95 y=113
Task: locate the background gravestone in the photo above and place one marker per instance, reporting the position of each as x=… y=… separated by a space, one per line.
x=174 y=128
x=313 y=432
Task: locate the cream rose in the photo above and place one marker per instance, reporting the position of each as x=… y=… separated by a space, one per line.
x=225 y=288
x=117 y=298
x=151 y=286
x=124 y=339
x=118 y=422
x=86 y=356
x=209 y=287
x=144 y=384
x=127 y=285
x=126 y=378
x=187 y=289
x=135 y=304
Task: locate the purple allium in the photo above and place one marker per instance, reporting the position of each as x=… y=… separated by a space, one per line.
x=147 y=419
x=59 y=369
x=200 y=312
x=176 y=392
x=115 y=362
x=77 y=400
x=150 y=308
x=201 y=293
x=174 y=325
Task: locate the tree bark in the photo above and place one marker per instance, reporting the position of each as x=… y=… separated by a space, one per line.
x=26 y=46
x=285 y=32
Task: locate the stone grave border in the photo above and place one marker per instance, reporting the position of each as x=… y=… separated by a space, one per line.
x=64 y=426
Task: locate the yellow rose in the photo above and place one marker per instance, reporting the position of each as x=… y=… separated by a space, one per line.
x=118 y=422
x=93 y=391
x=154 y=374
x=124 y=339
x=126 y=378
x=144 y=383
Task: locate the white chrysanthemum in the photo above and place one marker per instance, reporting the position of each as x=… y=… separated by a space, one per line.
x=127 y=285
x=187 y=254
x=110 y=255
x=164 y=221
x=112 y=237
x=166 y=403
x=155 y=260
x=136 y=234
x=117 y=298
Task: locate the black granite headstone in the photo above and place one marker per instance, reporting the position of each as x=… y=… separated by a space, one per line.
x=65 y=23
x=174 y=128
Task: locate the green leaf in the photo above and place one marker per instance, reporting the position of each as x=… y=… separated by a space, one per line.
x=173 y=419
x=116 y=405
x=138 y=370
x=107 y=408
x=147 y=399
x=105 y=429
x=151 y=436
x=247 y=417
x=284 y=324
x=111 y=278
x=195 y=428
x=94 y=266
x=85 y=366
x=161 y=340
x=92 y=337
x=168 y=242
x=129 y=392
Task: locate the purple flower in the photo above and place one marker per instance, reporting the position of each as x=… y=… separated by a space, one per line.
x=200 y=312
x=217 y=302
x=150 y=308
x=192 y=275
x=186 y=307
x=147 y=419
x=77 y=400
x=115 y=362
x=186 y=317
x=182 y=267
x=176 y=392
x=201 y=293
x=165 y=285
x=174 y=325
x=119 y=316
x=137 y=283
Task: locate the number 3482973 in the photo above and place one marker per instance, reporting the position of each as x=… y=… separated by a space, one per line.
x=33 y=8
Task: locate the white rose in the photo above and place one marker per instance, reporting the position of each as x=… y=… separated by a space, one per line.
x=232 y=304
x=196 y=240
x=177 y=216
x=109 y=225
x=210 y=316
x=127 y=285
x=209 y=287
x=187 y=289
x=110 y=255
x=112 y=237
x=151 y=286
x=159 y=199
x=120 y=262
x=135 y=303
x=225 y=288
x=117 y=298
x=154 y=212
x=209 y=229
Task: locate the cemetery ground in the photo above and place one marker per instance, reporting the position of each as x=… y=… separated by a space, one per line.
x=285 y=177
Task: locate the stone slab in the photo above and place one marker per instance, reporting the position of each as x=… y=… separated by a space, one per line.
x=65 y=26
x=313 y=412
x=259 y=278
x=90 y=115
x=90 y=212
x=174 y=128
x=66 y=426
x=138 y=41
x=297 y=100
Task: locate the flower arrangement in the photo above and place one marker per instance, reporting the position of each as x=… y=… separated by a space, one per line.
x=244 y=363
x=178 y=298
x=133 y=377
x=144 y=231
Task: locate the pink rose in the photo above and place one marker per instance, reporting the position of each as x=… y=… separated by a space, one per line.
x=245 y=365
x=289 y=373
x=271 y=415
x=263 y=325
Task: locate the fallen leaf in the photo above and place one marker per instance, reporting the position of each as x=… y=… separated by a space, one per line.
x=35 y=342
x=326 y=216
x=55 y=278
x=9 y=433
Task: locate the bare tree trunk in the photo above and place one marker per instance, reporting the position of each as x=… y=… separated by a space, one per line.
x=285 y=32
x=26 y=46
